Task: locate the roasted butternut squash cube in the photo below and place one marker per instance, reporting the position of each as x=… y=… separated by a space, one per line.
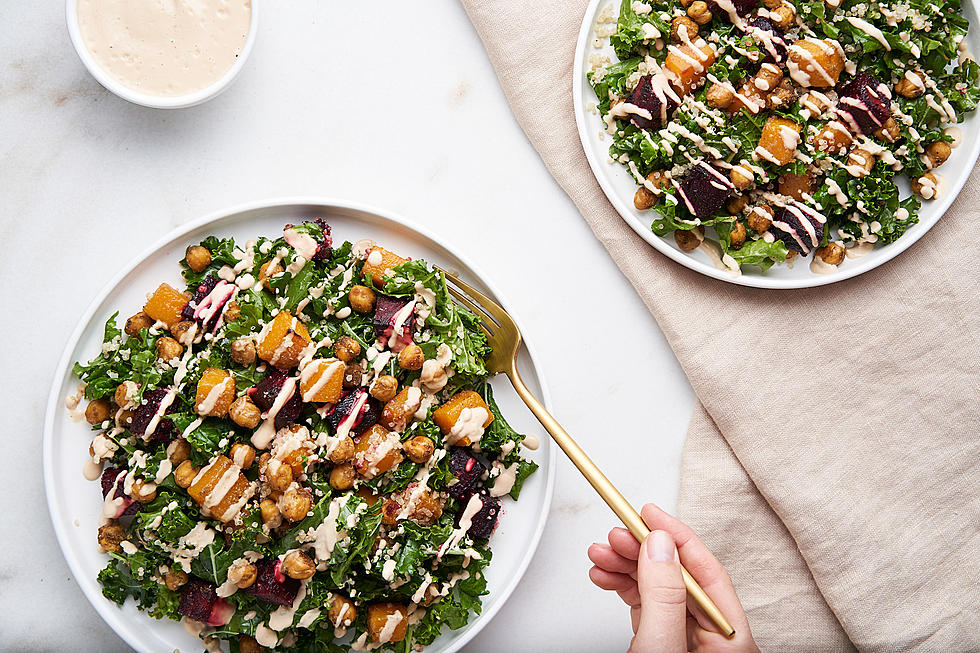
x=378 y=262
x=686 y=66
x=796 y=186
x=376 y=451
x=221 y=489
x=817 y=63
x=778 y=141
x=417 y=504
x=215 y=393
x=747 y=93
x=282 y=341
x=387 y=622
x=446 y=415
x=368 y=495
x=165 y=305
x=322 y=380
x=398 y=413
x=293 y=446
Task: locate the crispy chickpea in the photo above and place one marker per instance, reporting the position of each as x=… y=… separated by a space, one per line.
x=175 y=579
x=889 y=132
x=352 y=375
x=342 y=611
x=242 y=574
x=245 y=413
x=97 y=411
x=243 y=351
x=737 y=236
x=362 y=299
x=937 y=153
x=342 y=452
x=686 y=239
x=740 y=180
x=182 y=330
x=168 y=349
x=719 y=96
x=768 y=78
x=908 y=88
x=248 y=644
x=737 y=204
x=699 y=12
x=124 y=417
x=242 y=454
x=271 y=516
x=143 y=491
x=298 y=565
x=831 y=253
x=419 y=449
x=643 y=198
x=660 y=179
x=295 y=503
x=197 y=258
x=137 y=322
x=760 y=219
x=925 y=186
x=178 y=451
x=782 y=96
x=232 y=311
x=278 y=474
x=783 y=16
x=860 y=162
x=689 y=27
x=411 y=358
x=385 y=388
x=269 y=270
x=342 y=477
x=347 y=349
x=111 y=535
x=185 y=473
x=125 y=393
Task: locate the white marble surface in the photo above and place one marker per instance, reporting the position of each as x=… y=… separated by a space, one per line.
x=394 y=104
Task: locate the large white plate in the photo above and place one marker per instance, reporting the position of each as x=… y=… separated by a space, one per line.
x=75 y=503
x=619 y=186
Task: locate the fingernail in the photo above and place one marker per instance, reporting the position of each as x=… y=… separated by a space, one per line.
x=660 y=548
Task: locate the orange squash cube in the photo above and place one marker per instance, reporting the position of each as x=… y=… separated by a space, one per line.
x=221 y=489
x=368 y=495
x=687 y=66
x=322 y=380
x=387 y=622
x=749 y=92
x=165 y=305
x=282 y=341
x=378 y=262
x=376 y=452
x=445 y=416
x=817 y=63
x=294 y=447
x=778 y=141
x=796 y=186
x=215 y=393
x=398 y=413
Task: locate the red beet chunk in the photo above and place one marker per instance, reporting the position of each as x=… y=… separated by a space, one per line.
x=865 y=103
x=369 y=413
x=705 y=190
x=770 y=39
x=385 y=311
x=197 y=599
x=742 y=7
x=128 y=507
x=660 y=106
x=799 y=227
x=202 y=291
x=467 y=470
x=271 y=586
x=324 y=241
x=145 y=412
x=485 y=520
x=264 y=396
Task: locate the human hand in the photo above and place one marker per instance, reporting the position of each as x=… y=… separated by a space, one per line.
x=648 y=579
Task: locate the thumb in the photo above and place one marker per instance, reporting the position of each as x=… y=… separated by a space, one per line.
x=663 y=599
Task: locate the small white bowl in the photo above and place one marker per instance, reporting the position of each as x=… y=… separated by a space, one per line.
x=158 y=101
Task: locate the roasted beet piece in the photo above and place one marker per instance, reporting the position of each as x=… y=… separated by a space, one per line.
x=705 y=190
x=221 y=612
x=770 y=39
x=799 y=227
x=386 y=313
x=369 y=411
x=209 y=299
x=197 y=599
x=272 y=585
x=658 y=102
x=467 y=470
x=128 y=506
x=264 y=396
x=145 y=412
x=742 y=7
x=205 y=287
x=484 y=521
x=865 y=103
x=324 y=239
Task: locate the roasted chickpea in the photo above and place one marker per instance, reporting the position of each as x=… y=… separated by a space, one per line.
x=342 y=477
x=242 y=454
x=125 y=393
x=419 y=449
x=683 y=29
x=660 y=179
x=768 y=78
x=197 y=258
x=168 y=349
x=782 y=96
x=97 y=411
x=699 y=12
x=298 y=565
x=178 y=451
x=271 y=516
x=232 y=311
x=831 y=253
x=737 y=235
x=783 y=16
x=643 y=198
x=719 y=96
x=860 y=162
x=908 y=88
x=268 y=270
x=889 y=132
x=362 y=299
x=385 y=388
x=138 y=322
x=686 y=239
x=352 y=375
x=111 y=535
x=926 y=186
x=791 y=254
x=182 y=330
x=937 y=153
x=737 y=204
x=243 y=351
x=185 y=473
x=740 y=180
x=175 y=579
x=242 y=574
x=347 y=349
x=245 y=413
x=411 y=358
x=143 y=491
x=278 y=474
x=342 y=452
x=295 y=503
x=760 y=219
x=248 y=644
x=342 y=611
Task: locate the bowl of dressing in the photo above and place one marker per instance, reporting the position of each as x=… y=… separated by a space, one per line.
x=165 y=54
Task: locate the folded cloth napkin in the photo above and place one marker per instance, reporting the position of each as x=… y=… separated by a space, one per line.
x=834 y=459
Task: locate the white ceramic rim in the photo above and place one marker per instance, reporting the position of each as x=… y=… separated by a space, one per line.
x=157 y=101
x=55 y=406
x=756 y=280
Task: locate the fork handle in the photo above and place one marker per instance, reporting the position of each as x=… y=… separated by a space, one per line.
x=613 y=498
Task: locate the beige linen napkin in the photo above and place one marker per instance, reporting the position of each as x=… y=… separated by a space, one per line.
x=847 y=486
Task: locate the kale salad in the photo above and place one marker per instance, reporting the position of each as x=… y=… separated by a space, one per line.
x=300 y=449
x=782 y=126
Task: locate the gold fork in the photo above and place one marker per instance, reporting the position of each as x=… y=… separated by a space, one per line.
x=505 y=338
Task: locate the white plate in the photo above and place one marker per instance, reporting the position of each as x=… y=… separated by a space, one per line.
x=75 y=503
x=619 y=186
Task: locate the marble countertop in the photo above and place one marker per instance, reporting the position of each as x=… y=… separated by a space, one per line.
x=396 y=106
